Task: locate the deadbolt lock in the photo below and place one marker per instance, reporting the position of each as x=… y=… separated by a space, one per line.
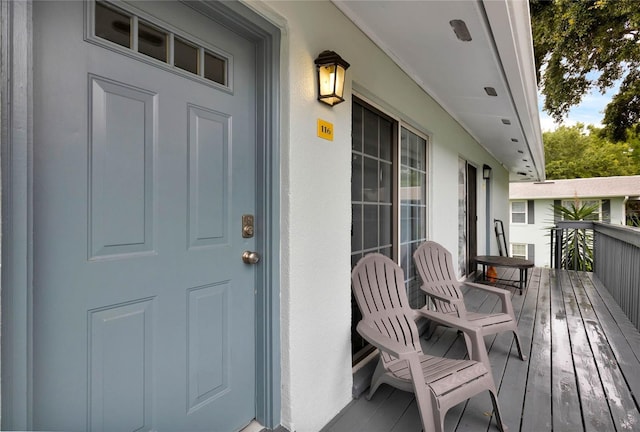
x=247 y=226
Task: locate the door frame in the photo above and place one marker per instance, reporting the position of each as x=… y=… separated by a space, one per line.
x=16 y=159
x=472 y=216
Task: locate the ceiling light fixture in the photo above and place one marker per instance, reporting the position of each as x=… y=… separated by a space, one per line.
x=491 y=91
x=460 y=29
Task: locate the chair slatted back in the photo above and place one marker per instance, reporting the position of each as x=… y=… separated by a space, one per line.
x=435 y=266
x=378 y=286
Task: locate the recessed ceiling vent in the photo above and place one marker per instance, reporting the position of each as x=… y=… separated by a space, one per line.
x=460 y=29
x=491 y=91
x=514 y=139
x=506 y=121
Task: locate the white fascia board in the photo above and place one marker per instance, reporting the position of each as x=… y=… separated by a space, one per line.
x=510 y=23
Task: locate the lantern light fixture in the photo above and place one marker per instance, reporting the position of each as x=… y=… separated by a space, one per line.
x=331 y=76
x=486 y=172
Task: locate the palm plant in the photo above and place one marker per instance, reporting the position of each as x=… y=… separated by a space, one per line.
x=577 y=245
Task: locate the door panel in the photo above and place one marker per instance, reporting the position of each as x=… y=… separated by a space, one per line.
x=143 y=310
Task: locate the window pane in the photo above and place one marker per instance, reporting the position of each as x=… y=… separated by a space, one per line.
x=356 y=128
x=405 y=234
x=518 y=218
x=385 y=136
x=370 y=133
x=519 y=250
x=356 y=177
x=404 y=147
x=356 y=227
x=112 y=26
x=414 y=154
x=386 y=224
x=370 y=190
x=215 y=68
x=370 y=227
x=412 y=209
x=386 y=182
x=152 y=42
x=518 y=206
x=185 y=56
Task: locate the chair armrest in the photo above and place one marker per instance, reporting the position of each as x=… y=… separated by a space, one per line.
x=450 y=321
x=440 y=296
x=472 y=334
x=495 y=290
x=504 y=295
x=384 y=343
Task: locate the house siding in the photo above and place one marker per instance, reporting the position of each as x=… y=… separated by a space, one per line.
x=537 y=234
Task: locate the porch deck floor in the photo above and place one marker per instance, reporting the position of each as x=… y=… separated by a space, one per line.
x=583 y=371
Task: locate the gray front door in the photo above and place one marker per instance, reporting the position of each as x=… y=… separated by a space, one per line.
x=143 y=308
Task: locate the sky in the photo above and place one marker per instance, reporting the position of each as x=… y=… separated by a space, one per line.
x=590 y=110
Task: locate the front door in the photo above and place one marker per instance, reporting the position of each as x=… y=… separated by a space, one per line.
x=144 y=165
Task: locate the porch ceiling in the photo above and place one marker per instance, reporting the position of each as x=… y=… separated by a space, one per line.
x=418 y=37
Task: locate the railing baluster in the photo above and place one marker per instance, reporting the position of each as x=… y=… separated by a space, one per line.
x=617 y=265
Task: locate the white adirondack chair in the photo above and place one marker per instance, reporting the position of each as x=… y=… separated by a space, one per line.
x=389 y=324
x=439 y=282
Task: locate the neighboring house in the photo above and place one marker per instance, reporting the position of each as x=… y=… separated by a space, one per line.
x=532 y=215
x=177 y=228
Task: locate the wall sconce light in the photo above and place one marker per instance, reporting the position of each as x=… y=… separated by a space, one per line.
x=331 y=74
x=486 y=172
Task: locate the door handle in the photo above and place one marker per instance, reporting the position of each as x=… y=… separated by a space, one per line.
x=249 y=257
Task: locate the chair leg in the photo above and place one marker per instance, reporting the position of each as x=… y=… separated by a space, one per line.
x=375 y=379
x=523 y=357
x=496 y=410
x=431 y=329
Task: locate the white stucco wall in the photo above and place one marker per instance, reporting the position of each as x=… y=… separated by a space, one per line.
x=316 y=198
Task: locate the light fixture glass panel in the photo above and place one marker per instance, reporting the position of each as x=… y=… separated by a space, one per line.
x=185 y=56
x=152 y=42
x=215 y=68
x=327 y=79
x=339 y=85
x=112 y=25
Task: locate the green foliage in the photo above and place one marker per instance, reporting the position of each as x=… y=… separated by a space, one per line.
x=579 y=152
x=577 y=243
x=585 y=44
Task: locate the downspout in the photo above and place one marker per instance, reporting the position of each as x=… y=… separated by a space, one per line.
x=488 y=218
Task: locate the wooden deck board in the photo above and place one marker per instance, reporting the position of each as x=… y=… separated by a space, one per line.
x=583 y=372
x=565 y=403
x=621 y=403
x=537 y=403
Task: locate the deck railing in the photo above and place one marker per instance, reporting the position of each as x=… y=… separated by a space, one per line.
x=612 y=252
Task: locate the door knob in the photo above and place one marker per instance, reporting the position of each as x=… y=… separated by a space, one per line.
x=249 y=257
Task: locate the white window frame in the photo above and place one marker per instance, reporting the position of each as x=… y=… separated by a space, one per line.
x=526 y=212
x=581 y=202
x=526 y=250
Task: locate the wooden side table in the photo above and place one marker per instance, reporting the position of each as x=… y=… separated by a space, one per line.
x=523 y=265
